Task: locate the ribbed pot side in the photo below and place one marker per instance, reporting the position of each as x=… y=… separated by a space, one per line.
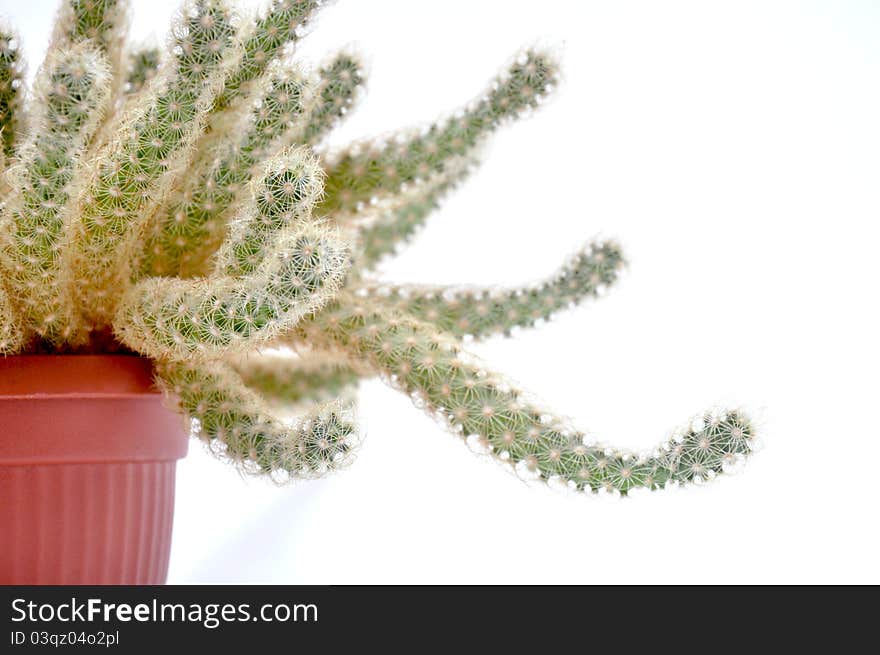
x=88 y=450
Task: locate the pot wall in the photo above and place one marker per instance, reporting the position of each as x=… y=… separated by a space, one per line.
x=88 y=452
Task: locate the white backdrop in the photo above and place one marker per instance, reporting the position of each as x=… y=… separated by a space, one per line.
x=734 y=150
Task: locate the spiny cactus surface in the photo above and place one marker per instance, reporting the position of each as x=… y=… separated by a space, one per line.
x=171 y=204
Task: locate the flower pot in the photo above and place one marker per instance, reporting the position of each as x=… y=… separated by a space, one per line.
x=88 y=451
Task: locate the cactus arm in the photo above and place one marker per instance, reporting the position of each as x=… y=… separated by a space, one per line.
x=71 y=94
x=213 y=317
x=498 y=419
x=239 y=427
x=143 y=65
x=281 y=25
x=193 y=226
x=338 y=84
x=381 y=231
x=286 y=112
x=481 y=313
x=102 y=22
x=365 y=171
x=287 y=381
x=283 y=197
x=11 y=91
x=134 y=172
x=12 y=336
x=274 y=267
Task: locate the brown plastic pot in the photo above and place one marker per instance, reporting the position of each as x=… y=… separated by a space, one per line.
x=88 y=451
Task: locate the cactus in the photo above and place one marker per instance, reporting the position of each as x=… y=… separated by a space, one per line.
x=320 y=376
x=383 y=230
x=274 y=268
x=10 y=90
x=171 y=205
x=337 y=85
x=362 y=172
x=72 y=93
x=11 y=332
x=263 y=42
x=193 y=224
x=103 y=22
x=153 y=146
x=484 y=312
x=142 y=66
x=235 y=421
x=498 y=419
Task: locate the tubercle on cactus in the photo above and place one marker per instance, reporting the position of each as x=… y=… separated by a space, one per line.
x=171 y=204
x=103 y=23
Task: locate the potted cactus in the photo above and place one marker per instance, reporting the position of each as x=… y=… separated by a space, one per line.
x=169 y=229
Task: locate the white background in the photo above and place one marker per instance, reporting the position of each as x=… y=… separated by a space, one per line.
x=734 y=150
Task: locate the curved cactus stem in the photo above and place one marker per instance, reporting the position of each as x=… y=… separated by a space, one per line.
x=239 y=427
x=72 y=92
x=498 y=419
x=274 y=268
x=266 y=40
x=143 y=64
x=11 y=91
x=336 y=90
x=193 y=226
x=213 y=317
x=478 y=313
x=288 y=381
x=12 y=336
x=365 y=171
x=134 y=172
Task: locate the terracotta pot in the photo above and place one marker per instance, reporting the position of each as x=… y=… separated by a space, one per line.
x=88 y=452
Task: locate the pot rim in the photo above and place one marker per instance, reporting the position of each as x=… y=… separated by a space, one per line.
x=76 y=376
x=75 y=409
